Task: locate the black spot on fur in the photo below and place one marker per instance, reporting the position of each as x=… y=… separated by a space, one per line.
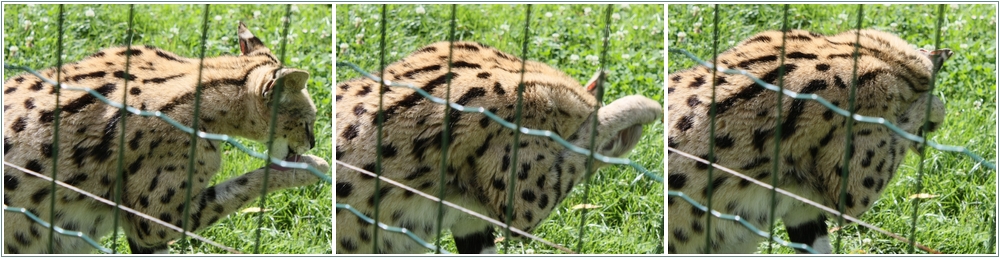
x=745 y=65
x=351 y=132
x=698 y=82
x=121 y=74
x=724 y=142
x=39 y=195
x=693 y=101
x=155 y=80
x=10 y=182
x=19 y=125
x=685 y=123
x=79 y=77
x=677 y=181
x=800 y=55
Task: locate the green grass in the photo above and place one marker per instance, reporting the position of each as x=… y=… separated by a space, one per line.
x=631 y=206
x=299 y=220
x=961 y=216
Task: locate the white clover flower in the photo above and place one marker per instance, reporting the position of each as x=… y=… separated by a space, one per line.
x=696 y=25
x=635 y=27
x=393 y=53
x=626 y=56
x=420 y=10
x=218 y=17
x=963 y=45
x=13 y=48
x=574 y=58
x=505 y=27
x=359 y=36
x=731 y=42
x=842 y=16
x=344 y=45
x=555 y=35
x=27 y=23
x=175 y=30
x=529 y=251
x=375 y=17
x=45 y=19
x=592 y=58
x=256 y=13
x=295 y=59
x=866 y=241
x=225 y=38
x=681 y=34
x=586 y=11
x=357 y=20
x=89 y=12
x=893 y=25
x=295 y=8
x=616 y=16
x=29 y=38
x=548 y=14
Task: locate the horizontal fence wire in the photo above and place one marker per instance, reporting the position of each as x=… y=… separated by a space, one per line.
x=610 y=160
x=204 y=135
x=835 y=109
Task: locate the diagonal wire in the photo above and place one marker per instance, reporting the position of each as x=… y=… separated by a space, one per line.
x=504 y=123
x=839 y=111
x=111 y=203
x=446 y=203
x=786 y=193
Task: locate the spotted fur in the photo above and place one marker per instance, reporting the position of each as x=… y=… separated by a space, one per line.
x=893 y=83
x=236 y=98
x=479 y=149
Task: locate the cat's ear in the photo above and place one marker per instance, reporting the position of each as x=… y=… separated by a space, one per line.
x=293 y=80
x=598 y=77
x=249 y=43
x=938 y=57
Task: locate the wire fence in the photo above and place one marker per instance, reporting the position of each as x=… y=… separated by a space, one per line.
x=125 y=110
x=838 y=212
x=515 y=126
